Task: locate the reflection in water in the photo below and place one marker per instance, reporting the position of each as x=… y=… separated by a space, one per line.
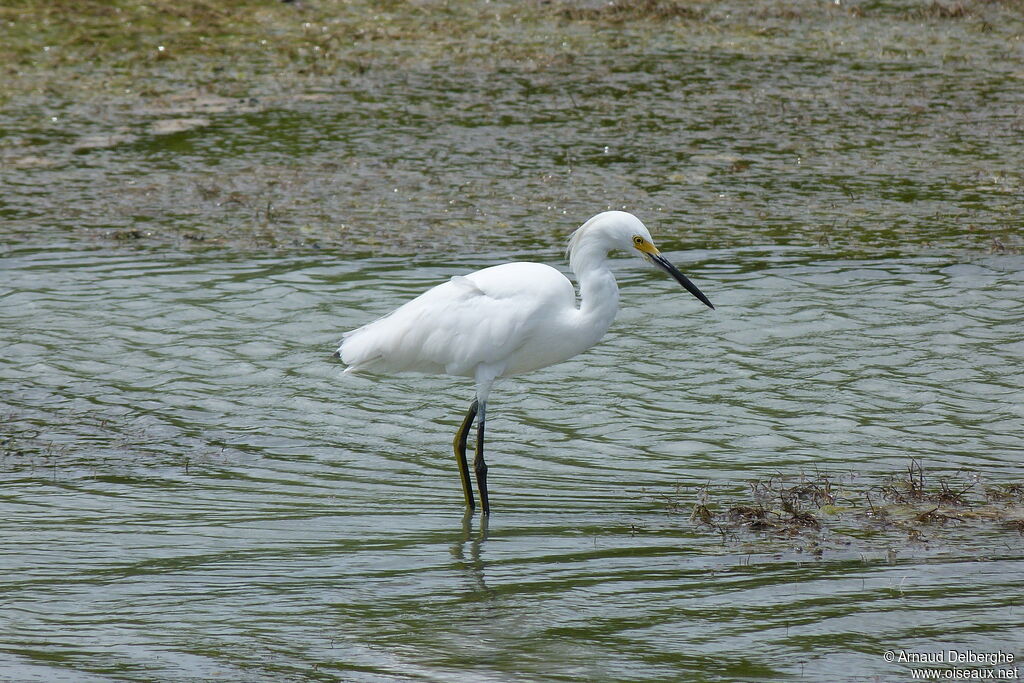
x=192 y=490
x=473 y=566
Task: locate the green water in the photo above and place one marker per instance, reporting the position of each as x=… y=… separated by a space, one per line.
x=831 y=138
x=203 y=495
x=192 y=491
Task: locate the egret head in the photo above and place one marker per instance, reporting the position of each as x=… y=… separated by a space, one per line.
x=620 y=230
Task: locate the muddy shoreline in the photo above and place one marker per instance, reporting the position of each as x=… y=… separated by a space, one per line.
x=851 y=128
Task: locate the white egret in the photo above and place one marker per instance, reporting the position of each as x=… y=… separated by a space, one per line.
x=504 y=321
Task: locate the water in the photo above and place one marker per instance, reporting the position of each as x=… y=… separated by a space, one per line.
x=190 y=490
x=850 y=146
x=193 y=491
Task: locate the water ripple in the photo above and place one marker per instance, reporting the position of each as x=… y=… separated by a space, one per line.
x=192 y=489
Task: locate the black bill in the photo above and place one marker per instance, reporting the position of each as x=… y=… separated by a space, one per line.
x=665 y=265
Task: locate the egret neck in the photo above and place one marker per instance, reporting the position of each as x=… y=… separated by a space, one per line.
x=599 y=293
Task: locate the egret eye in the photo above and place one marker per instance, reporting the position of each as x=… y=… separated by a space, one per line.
x=638 y=240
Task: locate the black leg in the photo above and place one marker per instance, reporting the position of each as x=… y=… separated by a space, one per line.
x=478 y=462
x=460 y=456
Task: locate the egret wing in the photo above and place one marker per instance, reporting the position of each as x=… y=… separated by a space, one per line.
x=453 y=328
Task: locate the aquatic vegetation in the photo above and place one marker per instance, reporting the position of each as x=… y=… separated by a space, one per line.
x=834 y=508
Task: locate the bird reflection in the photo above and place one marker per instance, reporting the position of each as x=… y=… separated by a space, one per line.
x=473 y=565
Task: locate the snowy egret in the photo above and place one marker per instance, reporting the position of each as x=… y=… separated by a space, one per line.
x=504 y=321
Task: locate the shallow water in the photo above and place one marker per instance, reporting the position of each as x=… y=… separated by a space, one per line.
x=853 y=134
x=193 y=491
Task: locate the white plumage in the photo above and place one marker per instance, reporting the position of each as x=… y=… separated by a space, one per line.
x=509 y=319
x=506 y=320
